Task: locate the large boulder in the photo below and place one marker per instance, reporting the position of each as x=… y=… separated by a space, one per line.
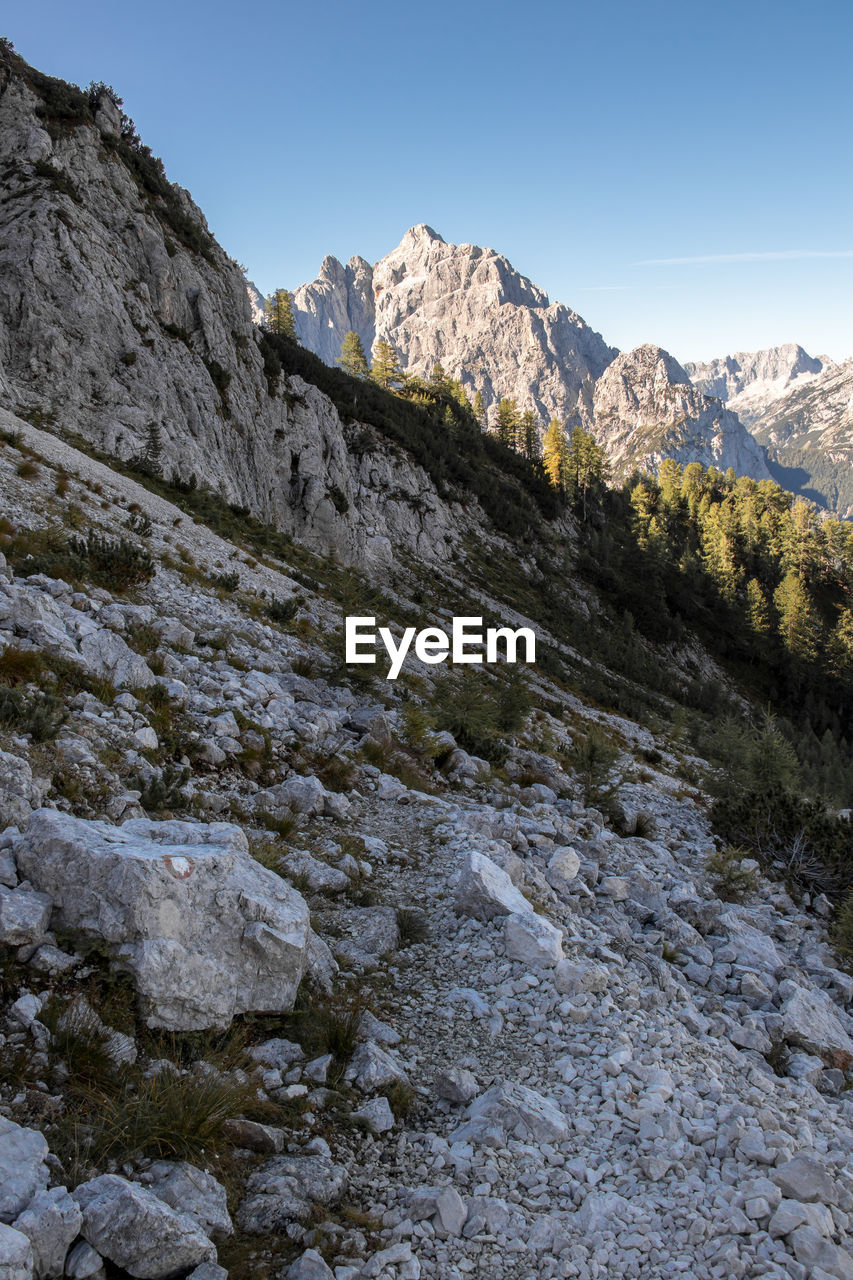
x=191 y=1191
x=810 y=1020
x=24 y=916
x=23 y=1171
x=132 y=1228
x=51 y=1222
x=205 y=930
x=533 y=940
x=16 y=1255
x=20 y=793
x=512 y=1110
x=485 y=891
x=287 y=1188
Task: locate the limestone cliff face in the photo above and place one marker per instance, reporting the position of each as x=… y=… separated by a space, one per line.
x=465 y=308
x=751 y=381
x=645 y=409
x=119 y=309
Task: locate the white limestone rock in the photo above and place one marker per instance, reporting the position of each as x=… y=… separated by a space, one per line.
x=24 y=916
x=532 y=940
x=205 y=930
x=51 y=1222
x=810 y=1020
x=191 y=1191
x=286 y=1189
x=645 y=409
x=23 y=1171
x=511 y=1110
x=485 y=891
x=16 y=1255
x=132 y=1228
x=20 y=793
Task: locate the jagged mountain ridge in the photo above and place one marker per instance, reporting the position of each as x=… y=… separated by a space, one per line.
x=750 y=381
x=469 y=310
x=461 y=306
x=800 y=408
x=645 y=409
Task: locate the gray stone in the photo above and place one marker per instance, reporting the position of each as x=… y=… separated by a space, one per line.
x=376 y=1115
x=16 y=1255
x=810 y=1020
x=133 y=1228
x=532 y=940
x=287 y=1188
x=51 y=1221
x=456 y=1084
x=310 y=1266
x=19 y=793
x=24 y=916
x=106 y=655
x=205 y=930
x=371 y=1069
x=573 y=977
x=194 y=1192
x=485 y=891
x=23 y=1170
x=511 y=1110
x=84 y=1263
x=805 y=1179
x=814 y=1250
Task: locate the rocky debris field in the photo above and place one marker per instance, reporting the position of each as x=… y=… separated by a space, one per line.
x=281 y=996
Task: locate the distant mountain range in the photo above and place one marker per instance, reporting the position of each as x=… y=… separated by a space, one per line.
x=778 y=413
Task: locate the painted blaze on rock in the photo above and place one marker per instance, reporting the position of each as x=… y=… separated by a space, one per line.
x=206 y=932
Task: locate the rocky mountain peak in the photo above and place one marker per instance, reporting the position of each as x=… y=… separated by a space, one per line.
x=645 y=409
x=465 y=307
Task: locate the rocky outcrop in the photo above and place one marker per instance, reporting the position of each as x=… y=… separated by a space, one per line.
x=645 y=409
x=465 y=308
x=340 y=299
x=205 y=930
x=111 y=321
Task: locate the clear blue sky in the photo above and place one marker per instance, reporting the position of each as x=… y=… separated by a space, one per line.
x=587 y=141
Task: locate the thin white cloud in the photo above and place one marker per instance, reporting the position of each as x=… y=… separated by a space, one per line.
x=776 y=255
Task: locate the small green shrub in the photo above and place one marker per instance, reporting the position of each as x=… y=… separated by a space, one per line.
x=41 y=717
x=282 y=611
x=731 y=880
x=411 y=926
x=171 y=1115
x=842 y=931
x=164 y=793
x=226 y=581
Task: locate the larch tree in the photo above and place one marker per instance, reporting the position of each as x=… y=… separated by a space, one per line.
x=507 y=422
x=279 y=314
x=555 y=448
x=352 y=358
x=480 y=408
x=528 y=436
x=386 y=369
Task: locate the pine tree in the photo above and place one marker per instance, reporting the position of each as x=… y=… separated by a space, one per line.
x=279 y=314
x=480 y=409
x=148 y=461
x=798 y=624
x=528 y=436
x=386 y=367
x=352 y=358
x=757 y=610
x=438 y=378
x=841 y=646
x=587 y=465
x=507 y=423
x=556 y=454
